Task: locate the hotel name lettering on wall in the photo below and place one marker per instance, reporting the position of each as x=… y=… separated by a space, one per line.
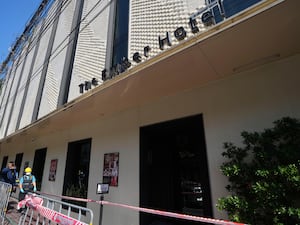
x=87 y=85
x=180 y=34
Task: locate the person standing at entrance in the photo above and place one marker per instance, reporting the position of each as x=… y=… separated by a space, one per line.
x=10 y=175
x=27 y=183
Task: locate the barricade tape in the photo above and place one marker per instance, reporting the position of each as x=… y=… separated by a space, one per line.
x=35 y=203
x=152 y=211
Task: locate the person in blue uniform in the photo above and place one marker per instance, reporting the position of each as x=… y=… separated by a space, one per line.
x=10 y=175
x=27 y=183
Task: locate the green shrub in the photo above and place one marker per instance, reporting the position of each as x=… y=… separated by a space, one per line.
x=264 y=176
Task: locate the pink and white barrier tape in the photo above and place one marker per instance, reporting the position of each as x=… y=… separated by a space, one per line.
x=35 y=203
x=153 y=211
x=174 y=215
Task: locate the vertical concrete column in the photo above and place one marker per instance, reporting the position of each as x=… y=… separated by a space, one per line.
x=46 y=63
x=37 y=46
x=15 y=67
x=14 y=97
x=71 y=50
x=5 y=85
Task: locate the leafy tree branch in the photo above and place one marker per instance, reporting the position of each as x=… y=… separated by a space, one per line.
x=264 y=176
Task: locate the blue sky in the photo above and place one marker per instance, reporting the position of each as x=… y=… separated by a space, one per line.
x=14 y=14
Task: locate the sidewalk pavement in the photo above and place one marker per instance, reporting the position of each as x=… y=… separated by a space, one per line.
x=12 y=214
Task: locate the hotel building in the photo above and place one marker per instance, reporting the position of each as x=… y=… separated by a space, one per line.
x=143 y=94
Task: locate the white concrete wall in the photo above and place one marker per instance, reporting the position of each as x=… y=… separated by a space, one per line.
x=35 y=76
x=57 y=60
x=249 y=101
x=13 y=92
x=4 y=100
x=91 y=46
x=151 y=19
x=23 y=75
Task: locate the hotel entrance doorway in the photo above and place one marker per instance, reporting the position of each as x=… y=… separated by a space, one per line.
x=173 y=170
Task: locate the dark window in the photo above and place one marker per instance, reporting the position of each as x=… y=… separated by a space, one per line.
x=4 y=162
x=38 y=166
x=77 y=170
x=232 y=7
x=120 y=44
x=18 y=161
x=229 y=7
x=217 y=14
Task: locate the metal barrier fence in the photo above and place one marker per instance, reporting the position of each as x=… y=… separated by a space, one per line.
x=5 y=190
x=38 y=209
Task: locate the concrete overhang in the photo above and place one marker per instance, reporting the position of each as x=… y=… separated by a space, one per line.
x=264 y=33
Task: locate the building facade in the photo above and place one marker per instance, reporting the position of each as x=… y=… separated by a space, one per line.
x=142 y=95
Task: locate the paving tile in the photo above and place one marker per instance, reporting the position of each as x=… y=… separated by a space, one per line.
x=12 y=214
